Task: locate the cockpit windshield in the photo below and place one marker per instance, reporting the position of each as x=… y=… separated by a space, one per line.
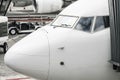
x=84 y=23
x=65 y=21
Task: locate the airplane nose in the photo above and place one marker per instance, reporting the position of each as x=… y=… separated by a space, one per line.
x=30 y=55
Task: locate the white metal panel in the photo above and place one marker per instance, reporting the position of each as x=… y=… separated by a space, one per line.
x=47 y=6
x=30 y=55
x=3 y=19
x=85 y=55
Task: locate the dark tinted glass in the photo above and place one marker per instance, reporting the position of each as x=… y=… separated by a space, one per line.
x=24 y=26
x=99 y=25
x=3 y=29
x=85 y=23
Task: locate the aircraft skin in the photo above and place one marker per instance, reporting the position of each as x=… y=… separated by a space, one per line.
x=63 y=52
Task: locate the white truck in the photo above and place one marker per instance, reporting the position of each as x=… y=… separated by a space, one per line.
x=3 y=33
x=21 y=27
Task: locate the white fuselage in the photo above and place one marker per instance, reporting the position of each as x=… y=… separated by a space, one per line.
x=60 y=51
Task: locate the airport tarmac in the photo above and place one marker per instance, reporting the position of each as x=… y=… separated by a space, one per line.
x=5 y=72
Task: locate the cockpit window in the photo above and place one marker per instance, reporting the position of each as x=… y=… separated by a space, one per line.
x=84 y=23
x=65 y=21
x=101 y=23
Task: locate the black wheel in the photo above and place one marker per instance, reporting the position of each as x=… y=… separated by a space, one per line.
x=13 y=31
x=118 y=69
x=37 y=28
x=115 y=67
x=5 y=47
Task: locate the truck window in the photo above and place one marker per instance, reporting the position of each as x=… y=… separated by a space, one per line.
x=101 y=23
x=24 y=26
x=84 y=23
x=3 y=29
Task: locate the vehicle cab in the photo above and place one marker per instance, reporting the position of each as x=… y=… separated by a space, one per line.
x=3 y=33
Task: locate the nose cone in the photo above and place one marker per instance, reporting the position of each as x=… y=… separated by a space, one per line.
x=30 y=56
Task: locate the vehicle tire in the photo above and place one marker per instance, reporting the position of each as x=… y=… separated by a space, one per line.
x=118 y=69
x=37 y=28
x=5 y=47
x=115 y=67
x=13 y=31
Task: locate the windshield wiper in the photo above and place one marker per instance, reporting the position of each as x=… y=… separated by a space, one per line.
x=63 y=25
